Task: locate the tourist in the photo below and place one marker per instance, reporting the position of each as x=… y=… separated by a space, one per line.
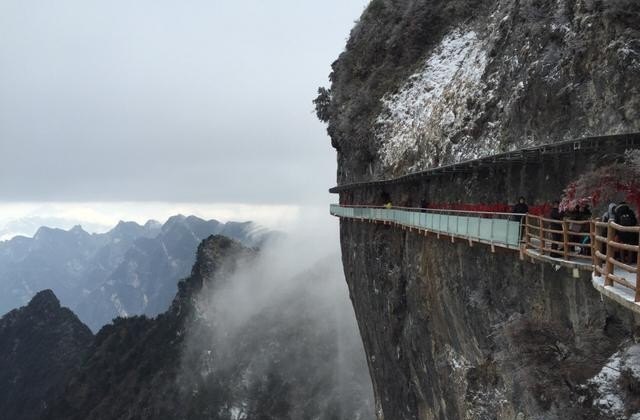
x=520 y=209
x=585 y=212
x=609 y=215
x=625 y=216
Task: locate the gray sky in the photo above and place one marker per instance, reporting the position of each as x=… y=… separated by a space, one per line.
x=167 y=101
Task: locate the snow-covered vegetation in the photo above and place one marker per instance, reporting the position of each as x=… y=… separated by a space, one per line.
x=427 y=115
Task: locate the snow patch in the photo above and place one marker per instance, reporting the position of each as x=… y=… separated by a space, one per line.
x=418 y=122
x=119 y=306
x=606 y=383
x=609 y=393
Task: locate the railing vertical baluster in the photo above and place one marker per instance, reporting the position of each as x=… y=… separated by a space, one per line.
x=609 y=265
x=565 y=240
x=526 y=232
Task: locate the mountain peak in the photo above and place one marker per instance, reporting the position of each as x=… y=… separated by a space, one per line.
x=44 y=300
x=123 y=224
x=152 y=224
x=43 y=231
x=77 y=229
x=216 y=254
x=41 y=343
x=178 y=218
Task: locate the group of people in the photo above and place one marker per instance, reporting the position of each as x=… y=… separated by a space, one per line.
x=580 y=212
x=620 y=213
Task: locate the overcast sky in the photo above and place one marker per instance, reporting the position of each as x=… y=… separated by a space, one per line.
x=167 y=101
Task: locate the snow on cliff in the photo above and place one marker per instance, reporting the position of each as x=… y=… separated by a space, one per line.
x=422 y=121
x=609 y=396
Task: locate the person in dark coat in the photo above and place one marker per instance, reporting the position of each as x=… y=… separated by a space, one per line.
x=520 y=208
x=625 y=216
x=585 y=212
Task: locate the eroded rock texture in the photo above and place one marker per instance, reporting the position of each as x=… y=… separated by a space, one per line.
x=423 y=83
x=456 y=332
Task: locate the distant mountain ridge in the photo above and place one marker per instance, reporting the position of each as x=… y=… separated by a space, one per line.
x=132 y=269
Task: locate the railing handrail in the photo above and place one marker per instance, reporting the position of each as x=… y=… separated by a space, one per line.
x=562 y=242
x=424 y=210
x=559 y=221
x=603 y=265
x=471 y=226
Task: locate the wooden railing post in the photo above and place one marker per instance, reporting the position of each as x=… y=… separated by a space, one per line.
x=565 y=240
x=526 y=231
x=541 y=232
x=611 y=235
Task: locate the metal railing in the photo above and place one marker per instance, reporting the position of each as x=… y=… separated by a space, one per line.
x=497 y=229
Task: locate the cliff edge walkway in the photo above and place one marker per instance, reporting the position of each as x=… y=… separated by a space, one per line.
x=544 y=171
x=564 y=243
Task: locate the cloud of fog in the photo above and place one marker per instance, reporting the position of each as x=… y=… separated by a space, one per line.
x=277 y=271
x=294 y=284
x=311 y=239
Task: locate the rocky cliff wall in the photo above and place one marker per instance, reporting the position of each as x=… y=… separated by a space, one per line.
x=452 y=331
x=456 y=332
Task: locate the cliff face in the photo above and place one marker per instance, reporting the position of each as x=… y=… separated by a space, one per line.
x=457 y=332
x=423 y=83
